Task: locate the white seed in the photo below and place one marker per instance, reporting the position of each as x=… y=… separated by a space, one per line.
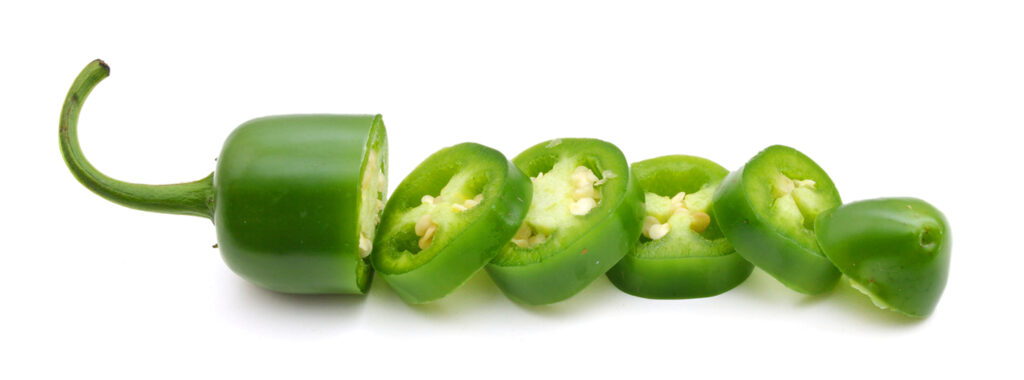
x=580 y=181
x=648 y=222
x=428 y=237
x=700 y=221
x=365 y=246
x=805 y=183
x=582 y=206
x=470 y=203
x=782 y=187
x=658 y=231
x=538 y=239
x=427 y=199
x=583 y=192
x=458 y=207
x=582 y=176
x=605 y=176
x=423 y=223
x=521 y=243
x=678 y=198
x=524 y=232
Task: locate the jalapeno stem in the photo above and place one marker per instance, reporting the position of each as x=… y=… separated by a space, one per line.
x=192 y=198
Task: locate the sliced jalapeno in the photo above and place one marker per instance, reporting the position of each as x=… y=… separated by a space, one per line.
x=767 y=209
x=894 y=250
x=681 y=252
x=447 y=219
x=585 y=215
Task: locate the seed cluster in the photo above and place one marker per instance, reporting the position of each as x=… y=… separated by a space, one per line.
x=784 y=186
x=655 y=229
x=584 y=196
x=526 y=237
x=426 y=227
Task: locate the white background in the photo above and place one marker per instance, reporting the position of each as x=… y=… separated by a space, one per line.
x=892 y=98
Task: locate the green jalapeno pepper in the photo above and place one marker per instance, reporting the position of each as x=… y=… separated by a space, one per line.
x=584 y=217
x=766 y=209
x=448 y=219
x=894 y=250
x=681 y=252
x=295 y=199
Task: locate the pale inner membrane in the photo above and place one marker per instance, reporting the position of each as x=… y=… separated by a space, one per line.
x=373 y=188
x=682 y=210
x=442 y=207
x=560 y=196
x=796 y=202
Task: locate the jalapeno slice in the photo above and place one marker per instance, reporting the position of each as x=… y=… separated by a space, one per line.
x=584 y=217
x=448 y=219
x=767 y=210
x=894 y=250
x=681 y=252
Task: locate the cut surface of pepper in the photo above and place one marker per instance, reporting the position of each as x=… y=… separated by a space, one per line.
x=447 y=219
x=767 y=208
x=681 y=252
x=585 y=215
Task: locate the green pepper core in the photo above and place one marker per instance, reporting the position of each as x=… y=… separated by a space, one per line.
x=681 y=252
x=584 y=217
x=894 y=250
x=447 y=219
x=295 y=199
x=767 y=208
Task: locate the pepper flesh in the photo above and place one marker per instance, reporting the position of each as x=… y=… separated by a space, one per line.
x=581 y=243
x=894 y=250
x=447 y=219
x=687 y=257
x=286 y=198
x=766 y=209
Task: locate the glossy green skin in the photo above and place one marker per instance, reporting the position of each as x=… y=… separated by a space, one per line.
x=606 y=235
x=898 y=249
x=287 y=201
x=675 y=275
x=463 y=249
x=679 y=278
x=757 y=240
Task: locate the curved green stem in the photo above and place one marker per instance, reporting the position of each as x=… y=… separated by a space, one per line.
x=192 y=198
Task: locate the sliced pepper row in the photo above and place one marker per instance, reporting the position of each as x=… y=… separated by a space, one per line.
x=300 y=206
